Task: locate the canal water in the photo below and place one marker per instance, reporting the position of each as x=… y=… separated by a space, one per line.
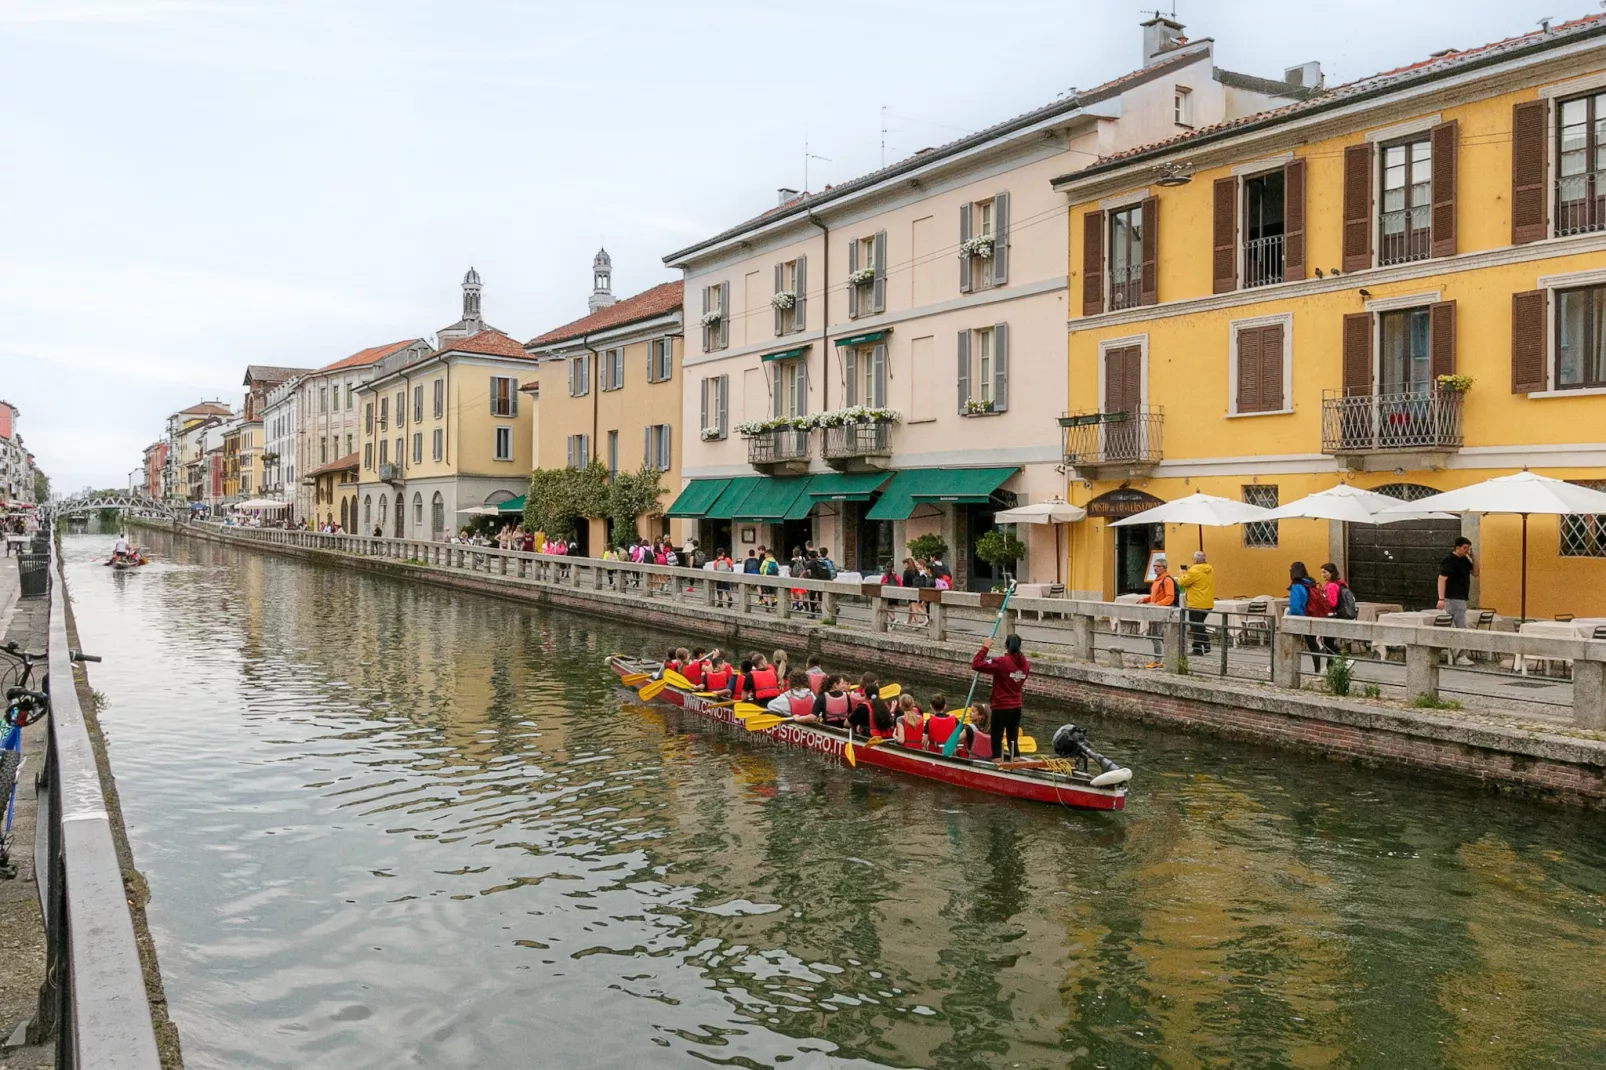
x=386 y=825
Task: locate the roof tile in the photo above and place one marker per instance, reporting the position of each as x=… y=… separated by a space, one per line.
x=657 y=301
x=489 y=342
x=371 y=355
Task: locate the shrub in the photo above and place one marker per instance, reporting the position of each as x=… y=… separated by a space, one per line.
x=925 y=547
x=1425 y=701
x=1000 y=550
x=1372 y=691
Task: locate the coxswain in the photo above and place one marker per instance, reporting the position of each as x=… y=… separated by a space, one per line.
x=797 y=702
x=764 y=682
x=1008 y=673
x=911 y=728
x=941 y=724
x=121 y=549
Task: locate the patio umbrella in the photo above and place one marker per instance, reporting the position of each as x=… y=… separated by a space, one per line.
x=1352 y=505
x=262 y=503
x=1201 y=510
x=481 y=510
x=1055 y=511
x=1518 y=494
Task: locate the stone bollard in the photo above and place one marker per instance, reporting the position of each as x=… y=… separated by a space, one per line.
x=936 y=622
x=1286 y=649
x=1589 y=694
x=1171 y=644
x=1082 y=640
x=1421 y=671
x=878 y=614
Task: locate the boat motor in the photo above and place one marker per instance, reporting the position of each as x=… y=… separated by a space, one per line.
x=1070 y=741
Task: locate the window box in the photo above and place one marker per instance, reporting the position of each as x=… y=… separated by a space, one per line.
x=862 y=277
x=783 y=300
x=977 y=407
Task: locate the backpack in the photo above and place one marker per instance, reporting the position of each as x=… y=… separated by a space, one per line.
x=1346 y=608
x=698 y=558
x=671 y=557
x=818 y=571
x=1316 y=601
x=750 y=566
x=771 y=567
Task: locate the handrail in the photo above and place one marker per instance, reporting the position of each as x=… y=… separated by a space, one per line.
x=95 y=986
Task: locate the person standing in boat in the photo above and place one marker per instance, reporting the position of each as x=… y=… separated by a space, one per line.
x=1008 y=673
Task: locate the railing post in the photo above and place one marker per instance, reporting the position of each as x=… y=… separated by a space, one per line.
x=1171 y=643
x=1421 y=671
x=1286 y=649
x=828 y=606
x=878 y=614
x=1082 y=632
x=936 y=622
x=1589 y=694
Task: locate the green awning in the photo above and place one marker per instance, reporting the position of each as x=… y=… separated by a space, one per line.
x=513 y=505
x=864 y=339
x=785 y=354
x=914 y=486
x=846 y=486
x=731 y=498
x=696 y=498
x=772 y=499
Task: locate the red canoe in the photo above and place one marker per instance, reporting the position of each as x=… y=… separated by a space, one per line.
x=1071 y=789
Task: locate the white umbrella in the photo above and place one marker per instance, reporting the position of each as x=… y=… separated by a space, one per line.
x=1352 y=505
x=1055 y=511
x=262 y=503
x=1201 y=510
x=1519 y=494
x=482 y=510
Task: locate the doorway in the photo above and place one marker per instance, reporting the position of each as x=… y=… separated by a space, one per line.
x=794 y=535
x=1133 y=545
x=714 y=535
x=1399 y=562
x=875 y=545
x=981 y=576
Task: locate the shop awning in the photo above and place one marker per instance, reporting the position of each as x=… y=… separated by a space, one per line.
x=513 y=505
x=846 y=486
x=785 y=354
x=864 y=339
x=731 y=498
x=695 y=500
x=772 y=500
x=913 y=486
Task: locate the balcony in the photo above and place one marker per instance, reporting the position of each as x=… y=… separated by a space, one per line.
x=1405 y=236
x=779 y=452
x=1263 y=261
x=1113 y=445
x=390 y=473
x=1581 y=203
x=1382 y=432
x=858 y=447
x=1126 y=287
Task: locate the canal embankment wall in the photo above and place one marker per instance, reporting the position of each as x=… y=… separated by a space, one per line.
x=1560 y=764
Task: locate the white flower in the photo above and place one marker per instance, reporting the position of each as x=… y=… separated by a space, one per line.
x=981 y=245
x=783 y=300
x=712 y=433
x=976 y=407
x=862 y=276
x=711 y=319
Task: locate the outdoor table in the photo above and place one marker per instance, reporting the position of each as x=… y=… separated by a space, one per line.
x=1116 y=624
x=1245 y=622
x=1370 y=611
x=1577 y=628
x=18 y=541
x=1416 y=618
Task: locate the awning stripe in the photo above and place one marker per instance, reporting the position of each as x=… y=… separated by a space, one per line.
x=695 y=499
x=916 y=486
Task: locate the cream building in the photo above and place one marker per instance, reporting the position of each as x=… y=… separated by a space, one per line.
x=934 y=288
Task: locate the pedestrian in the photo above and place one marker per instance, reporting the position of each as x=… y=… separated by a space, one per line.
x=1162 y=592
x=722 y=588
x=1009 y=673
x=825 y=559
x=1307 y=599
x=1340 y=601
x=1456 y=573
x=939 y=571
x=1198 y=582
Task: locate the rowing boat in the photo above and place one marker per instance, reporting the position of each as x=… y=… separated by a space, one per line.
x=1051 y=781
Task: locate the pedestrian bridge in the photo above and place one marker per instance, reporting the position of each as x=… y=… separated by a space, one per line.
x=128 y=501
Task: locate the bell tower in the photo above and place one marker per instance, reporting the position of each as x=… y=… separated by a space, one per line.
x=601 y=281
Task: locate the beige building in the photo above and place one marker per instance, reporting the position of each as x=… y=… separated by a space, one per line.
x=933 y=292
x=610 y=392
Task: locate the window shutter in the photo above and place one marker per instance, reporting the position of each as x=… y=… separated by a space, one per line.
x=1249 y=370
x=569 y=451
x=1000 y=367
x=799 y=312
x=707 y=334
x=1441 y=339
x=964 y=257
x=1000 y=239
x=777 y=290
x=664 y=443
x=1528 y=166
x=724 y=314
x=494 y=397
x=1442 y=146
x=1149 y=281
x=775 y=389
x=702 y=408
x=802 y=389
x=1357 y=354
x=1132 y=384
x=1293 y=221
x=853 y=287
x=646 y=446
x=1528 y=341
x=571 y=377
x=723 y=391
x=1092 y=263
x=878 y=376
x=1357 y=253
x=850 y=363
x=1271 y=368
x=513 y=393
x=964 y=370
x=878 y=288
x=1224 y=235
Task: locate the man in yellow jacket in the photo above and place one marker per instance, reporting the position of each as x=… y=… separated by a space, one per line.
x=1198 y=581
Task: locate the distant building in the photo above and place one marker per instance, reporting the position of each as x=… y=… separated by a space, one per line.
x=16 y=463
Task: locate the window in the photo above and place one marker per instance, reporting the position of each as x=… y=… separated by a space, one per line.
x=579 y=451
x=791 y=278
x=867 y=275
x=580 y=375
x=613 y=454
x=983 y=243
x=660 y=360
x=789 y=387
x=1258 y=366
x=1263 y=228
x=418 y=403
x=716 y=316
x=368 y=418
x=323 y=399
x=1581 y=165
x=384 y=451
x=504 y=443
x=1403 y=224
x=367 y=513
x=714 y=420
x=1182 y=106
x=350 y=446
x=323 y=450
x=437 y=514
x=866 y=369
x=418 y=446
x=367 y=456
x=351 y=394
x=384 y=413
x=504 y=395
x=1404 y=363
x=418 y=511
x=1126 y=257
x=435 y=446
x=401 y=407
x=984 y=370
x=1584 y=535
x=400 y=455
x=1580 y=338
x=655 y=452
x=1261 y=533
x=613 y=369
x=440 y=397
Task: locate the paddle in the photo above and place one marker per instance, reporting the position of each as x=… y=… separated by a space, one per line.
x=631 y=679
x=952 y=744
x=651 y=690
x=675 y=679
x=890 y=692
x=764 y=722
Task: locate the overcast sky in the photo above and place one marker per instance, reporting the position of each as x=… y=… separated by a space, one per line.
x=195 y=185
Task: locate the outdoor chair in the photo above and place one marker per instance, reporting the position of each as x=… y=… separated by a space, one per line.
x=1256 y=623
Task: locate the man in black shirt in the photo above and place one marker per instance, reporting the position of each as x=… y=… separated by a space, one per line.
x=1455 y=584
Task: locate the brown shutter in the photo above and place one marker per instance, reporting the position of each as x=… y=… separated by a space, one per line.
x=1528 y=341
x=1149 y=242
x=1293 y=221
x=1357 y=207
x=1224 y=237
x=1249 y=370
x=1357 y=354
x=1442 y=220
x=1113 y=364
x=1441 y=339
x=1528 y=172
x=1271 y=367
x=1093 y=263
x=1132 y=386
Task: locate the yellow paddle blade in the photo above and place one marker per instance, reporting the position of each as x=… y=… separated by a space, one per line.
x=847 y=752
x=677 y=680
x=763 y=723
x=651 y=689
x=1028 y=745
x=631 y=679
x=891 y=691
x=744 y=710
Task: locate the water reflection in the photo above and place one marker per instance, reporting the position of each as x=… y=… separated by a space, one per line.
x=391 y=825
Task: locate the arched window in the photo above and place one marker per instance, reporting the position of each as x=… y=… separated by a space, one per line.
x=367 y=513
x=418 y=510
x=383 y=501
x=437 y=514
x=345 y=520
x=497 y=497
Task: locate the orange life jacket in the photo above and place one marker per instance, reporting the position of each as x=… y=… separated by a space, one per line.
x=765 y=683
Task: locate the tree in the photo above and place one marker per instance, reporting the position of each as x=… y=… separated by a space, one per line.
x=925 y=547
x=634 y=495
x=560 y=497
x=1000 y=550
x=41 y=486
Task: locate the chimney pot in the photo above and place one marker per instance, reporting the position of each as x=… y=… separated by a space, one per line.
x=1160 y=35
x=783 y=195
x=1306 y=75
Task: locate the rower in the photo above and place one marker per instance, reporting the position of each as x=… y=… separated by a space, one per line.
x=718 y=677
x=798 y=701
x=911 y=727
x=816 y=672
x=764 y=681
x=882 y=724
x=941 y=724
x=859 y=718
x=833 y=704
x=697 y=668
x=978 y=741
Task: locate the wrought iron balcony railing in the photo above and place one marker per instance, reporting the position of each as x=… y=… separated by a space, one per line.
x=1098 y=439
x=777 y=447
x=1405 y=236
x=1126 y=287
x=850 y=442
x=1263 y=261
x=1426 y=419
x=1581 y=203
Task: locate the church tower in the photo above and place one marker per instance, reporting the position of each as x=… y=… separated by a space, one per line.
x=601 y=282
x=471 y=323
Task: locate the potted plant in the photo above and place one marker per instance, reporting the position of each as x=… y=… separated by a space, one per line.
x=978 y=407
x=862 y=277
x=981 y=245
x=1000 y=550
x=1455 y=384
x=711 y=319
x=709 y=434
x=783 y=300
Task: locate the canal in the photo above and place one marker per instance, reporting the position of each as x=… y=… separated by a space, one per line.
x=391 y=825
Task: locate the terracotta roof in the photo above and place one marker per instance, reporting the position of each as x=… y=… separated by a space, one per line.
x=657 y=301
x=368 y=356
x=532 y=386
x=1434 y=67
x=489 y=342
x=270 y=374
x=343 y=464
x=207 y=408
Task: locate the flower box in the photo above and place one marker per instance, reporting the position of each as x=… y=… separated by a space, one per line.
x=783 y=300
x=862 y=277
x=980 y=246
x=974 y=407
x=711 y=319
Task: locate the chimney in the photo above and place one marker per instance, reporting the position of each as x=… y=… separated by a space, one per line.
x=783 y=195
x=1306 y=75
x=1160 y=35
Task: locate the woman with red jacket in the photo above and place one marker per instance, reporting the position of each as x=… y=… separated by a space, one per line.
x=1008 y=674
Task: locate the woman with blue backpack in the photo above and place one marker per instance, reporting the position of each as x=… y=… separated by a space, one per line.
x=1307 y=598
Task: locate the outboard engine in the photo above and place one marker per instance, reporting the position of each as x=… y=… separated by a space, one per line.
x=1070 y=741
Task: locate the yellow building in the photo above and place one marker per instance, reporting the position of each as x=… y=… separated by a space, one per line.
x=612 y=394
x=1263 y=308
x=334 y=493
x=231 y=464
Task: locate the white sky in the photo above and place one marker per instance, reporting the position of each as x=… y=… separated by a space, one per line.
x=195 y=185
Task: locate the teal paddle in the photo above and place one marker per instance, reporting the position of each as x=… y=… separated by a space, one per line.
x=951 y=745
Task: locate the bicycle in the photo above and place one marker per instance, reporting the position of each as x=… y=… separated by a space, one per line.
x=24 y=706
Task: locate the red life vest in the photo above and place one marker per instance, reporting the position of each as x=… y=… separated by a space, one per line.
x=717 y=679
x=876 y=733
x=939 y=726
x=694 y=672
x=911 y=735
x=765 y=683
x=836 y=707
x=816 y=679
x=802 y=705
